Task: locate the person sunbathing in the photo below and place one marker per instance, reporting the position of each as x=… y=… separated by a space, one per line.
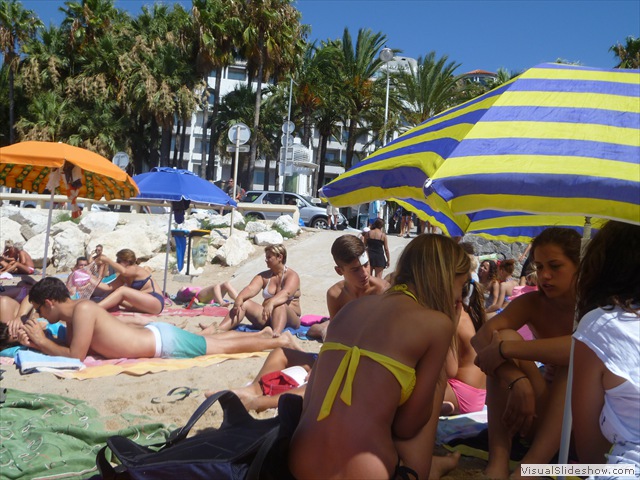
x=348 y=252
x=16 y=260
x=519 y=399
x=212 y=293
x=280 y=288
x=93 y=330
x=373 y=398
x=133 y=289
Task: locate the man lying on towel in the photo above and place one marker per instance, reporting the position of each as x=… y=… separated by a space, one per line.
x=92 y=330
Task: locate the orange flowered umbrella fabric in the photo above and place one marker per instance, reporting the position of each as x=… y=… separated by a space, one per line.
x=39 y=166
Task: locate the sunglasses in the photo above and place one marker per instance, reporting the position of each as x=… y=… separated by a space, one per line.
x=37 y=309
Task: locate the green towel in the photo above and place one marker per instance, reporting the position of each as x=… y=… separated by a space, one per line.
x=50 y=436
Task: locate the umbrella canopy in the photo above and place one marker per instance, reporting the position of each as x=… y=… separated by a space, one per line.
x=170 y=184
x=29 y=165
x=176 y=185
x=60 y=168
x=552 y=146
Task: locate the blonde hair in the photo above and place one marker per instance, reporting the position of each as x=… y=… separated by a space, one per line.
x=277 y=250
x=431 y=262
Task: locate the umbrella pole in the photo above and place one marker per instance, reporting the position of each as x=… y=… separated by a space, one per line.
x=46 y=238
x=166 y=257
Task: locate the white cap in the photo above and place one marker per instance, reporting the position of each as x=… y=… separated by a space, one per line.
x=366 y=229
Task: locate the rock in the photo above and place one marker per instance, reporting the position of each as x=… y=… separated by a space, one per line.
x=99 y=222
x=271 y=237
x=11 y=230
x=235 y=250
x=257 y=226
x=287 y=225
x=67 y=246
x=35 y=248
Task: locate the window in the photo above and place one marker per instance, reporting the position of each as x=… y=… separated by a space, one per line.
x=273 y=198
x=237 y=73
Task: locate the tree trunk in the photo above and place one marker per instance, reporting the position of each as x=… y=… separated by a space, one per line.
x=265 y=183
x=153 y=144
x=12 y=101
x=211 y=170
x=351 y=143
x=183 y=138
x=322 y=160
x=165 y=144
x=248 y=178
x=174 y=159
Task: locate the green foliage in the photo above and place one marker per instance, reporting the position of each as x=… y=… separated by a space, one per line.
x=66 y=217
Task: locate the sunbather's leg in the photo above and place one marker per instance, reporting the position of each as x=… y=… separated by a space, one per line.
x=251 y=310
x=133 y=299
x=246 y=343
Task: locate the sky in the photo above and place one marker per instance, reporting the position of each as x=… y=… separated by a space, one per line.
x=478 y=34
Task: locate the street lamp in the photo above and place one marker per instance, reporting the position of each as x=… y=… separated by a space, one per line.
x=386 y=55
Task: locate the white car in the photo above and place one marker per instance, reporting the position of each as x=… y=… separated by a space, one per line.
x=312 y=214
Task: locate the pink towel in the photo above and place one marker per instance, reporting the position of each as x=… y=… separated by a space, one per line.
x=308 y=320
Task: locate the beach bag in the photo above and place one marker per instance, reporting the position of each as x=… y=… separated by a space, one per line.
x=243 y=448
x=275 y=383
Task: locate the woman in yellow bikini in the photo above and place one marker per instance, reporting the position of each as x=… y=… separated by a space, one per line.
x=374 y=395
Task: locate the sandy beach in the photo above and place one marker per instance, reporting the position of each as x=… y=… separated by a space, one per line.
x=308 y=254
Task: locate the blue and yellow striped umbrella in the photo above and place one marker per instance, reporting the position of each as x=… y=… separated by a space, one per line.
x=554 y=145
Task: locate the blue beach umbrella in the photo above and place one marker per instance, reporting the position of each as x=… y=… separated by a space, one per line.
x=555 y=145
x=180 y=187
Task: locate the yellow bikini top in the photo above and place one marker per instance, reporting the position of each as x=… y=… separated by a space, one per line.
x=346 y=372
x=402 y=288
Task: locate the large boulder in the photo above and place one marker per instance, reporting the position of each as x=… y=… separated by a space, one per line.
x=139 y=237
x=287 y=225
x=235 y=250
x=68 y=245
x=34 y=218
x=256 y=227
x=99 y=222
x=10 y=230
x=271 y=237
x=35 y=248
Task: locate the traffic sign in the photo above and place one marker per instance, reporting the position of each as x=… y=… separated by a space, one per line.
x=121 y=159
x=241 y=148
x=239 y=133
x=288 y=127
x=286 y=140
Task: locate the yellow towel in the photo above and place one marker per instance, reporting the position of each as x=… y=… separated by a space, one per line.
x=154 y=365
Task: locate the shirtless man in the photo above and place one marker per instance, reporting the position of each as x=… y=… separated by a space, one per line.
x=92 y=330
x=352 y=263
x=15 y=260
x=349 y=254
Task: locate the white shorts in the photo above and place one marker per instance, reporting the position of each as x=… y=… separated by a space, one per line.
x=331 y=210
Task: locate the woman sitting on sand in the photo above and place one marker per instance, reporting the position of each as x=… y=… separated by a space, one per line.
x=606 y=383
x=280 y=289
x=133 y=289
x=520 y=399
x=382 y=421
x=466 y=384
x=505 y=287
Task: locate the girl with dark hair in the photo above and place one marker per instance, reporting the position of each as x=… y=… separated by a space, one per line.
x=488 y=274
x=520 y=399
x=505 y=287
x=377 y=248
x=606 y=385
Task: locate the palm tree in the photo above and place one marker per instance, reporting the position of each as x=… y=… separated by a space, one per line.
x=16 y=26
x=47 y=118
x=426 y=89
x=272 y=41
x=358 y=65
x=628 y=55
x=217 y=25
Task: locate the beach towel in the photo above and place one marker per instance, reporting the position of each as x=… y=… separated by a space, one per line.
x=209 y=310
x=300 y=332
x=29 y=361
x=96 y=368
x=308 y=320
x=49 y=436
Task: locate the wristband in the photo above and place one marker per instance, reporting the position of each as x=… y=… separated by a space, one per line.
x=510 y=386
x=500 y=350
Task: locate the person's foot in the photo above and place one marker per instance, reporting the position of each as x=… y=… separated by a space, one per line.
x=289 y=341
x=334 y=228
x=440 y=466
x=208 y=329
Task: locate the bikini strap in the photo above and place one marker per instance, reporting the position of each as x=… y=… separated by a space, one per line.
x=403 y=288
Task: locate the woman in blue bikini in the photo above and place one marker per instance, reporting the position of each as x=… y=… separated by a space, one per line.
x=133 y=289
x=373 y=399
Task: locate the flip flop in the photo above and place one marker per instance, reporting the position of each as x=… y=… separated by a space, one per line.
x=179 y=392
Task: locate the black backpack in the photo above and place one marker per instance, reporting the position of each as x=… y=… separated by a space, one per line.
x=242 y=448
